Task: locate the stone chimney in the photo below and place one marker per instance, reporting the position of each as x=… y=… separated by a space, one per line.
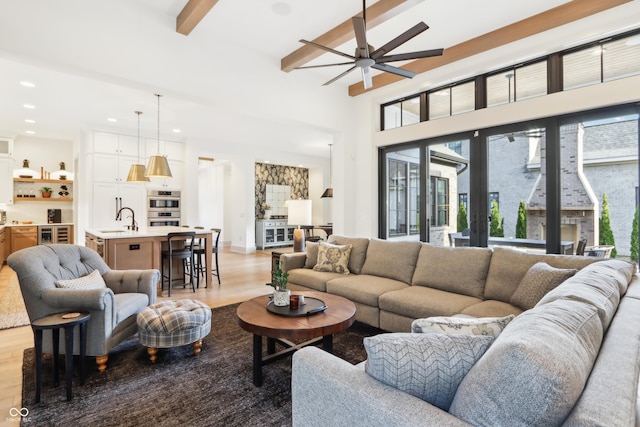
x=579 y=205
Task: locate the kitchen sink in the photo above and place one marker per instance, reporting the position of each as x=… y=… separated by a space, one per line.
x=113 y=231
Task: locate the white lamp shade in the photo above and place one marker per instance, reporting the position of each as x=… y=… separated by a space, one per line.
x=299 y=212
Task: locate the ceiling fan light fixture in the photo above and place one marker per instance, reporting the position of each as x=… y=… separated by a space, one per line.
x=158 y=165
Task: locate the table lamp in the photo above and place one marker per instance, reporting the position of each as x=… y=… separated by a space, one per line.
x=299 y=213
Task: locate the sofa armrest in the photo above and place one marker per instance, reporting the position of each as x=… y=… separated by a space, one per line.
x=87 y=299
x=136 y=281
x=294 y=260
x=326 y=390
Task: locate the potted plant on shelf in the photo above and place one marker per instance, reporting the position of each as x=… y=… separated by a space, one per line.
x=279 y=282
x=266 y=208
x=46 y=192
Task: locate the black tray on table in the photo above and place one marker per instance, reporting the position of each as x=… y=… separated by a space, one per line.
x=311 y=306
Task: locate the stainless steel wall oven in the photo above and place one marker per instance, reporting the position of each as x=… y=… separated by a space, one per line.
x=163 y=208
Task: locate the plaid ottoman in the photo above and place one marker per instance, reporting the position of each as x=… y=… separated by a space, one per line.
x=173 y=323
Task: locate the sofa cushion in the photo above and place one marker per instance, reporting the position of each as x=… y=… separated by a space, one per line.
x=333 y=258
x=316 y=280
x=420 y=301
x=459 y=270
x=490 y=326
x=539 y=279
x=392 y=259
x=599 y=284
x=363 y=288
x=312 y=255
x=92 y=280
x=508 y=267
x=128 y=304
x=428 y=366
x=535 y=371
x=490 y=308
x=358 y=250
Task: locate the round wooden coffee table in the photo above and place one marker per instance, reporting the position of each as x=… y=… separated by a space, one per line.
x=253 y=316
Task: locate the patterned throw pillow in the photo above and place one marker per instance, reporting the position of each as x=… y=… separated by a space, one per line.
x=333 y=258
x=428 y=366
x=540 y=279
x=489 y=326
x=93 y=280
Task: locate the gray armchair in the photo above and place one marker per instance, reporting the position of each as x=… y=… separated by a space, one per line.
x=113 y=309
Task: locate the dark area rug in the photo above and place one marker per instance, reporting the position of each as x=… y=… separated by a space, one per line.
x=212 y=389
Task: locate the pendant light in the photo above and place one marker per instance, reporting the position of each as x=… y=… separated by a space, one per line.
x=329 y=191
x=137 y=171
x=158 y=165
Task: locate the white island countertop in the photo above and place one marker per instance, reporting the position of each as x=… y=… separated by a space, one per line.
x=115 y=233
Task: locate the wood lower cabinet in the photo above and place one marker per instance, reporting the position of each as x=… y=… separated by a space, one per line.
x=23 y=237
x=3 y=251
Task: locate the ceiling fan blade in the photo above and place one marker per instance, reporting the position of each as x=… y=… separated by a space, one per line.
x=323 y=65
x=402 y=38
x=340 y=76
x=328 y=49
x=359 y=29
x=366 y=77
x=410 y=55
x=394 y=70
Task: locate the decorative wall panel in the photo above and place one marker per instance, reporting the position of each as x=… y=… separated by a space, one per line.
x=296 y=178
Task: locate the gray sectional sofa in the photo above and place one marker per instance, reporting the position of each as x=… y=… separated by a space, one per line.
x=571 y=360
x=392 y=283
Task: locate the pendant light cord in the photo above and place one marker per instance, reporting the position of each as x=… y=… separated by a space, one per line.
x=158 y=95
x=331 y=165
x=138 y=113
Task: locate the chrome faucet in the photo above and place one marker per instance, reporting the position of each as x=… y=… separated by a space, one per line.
x=134 y=224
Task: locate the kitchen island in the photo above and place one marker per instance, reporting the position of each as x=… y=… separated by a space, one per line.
x=142 y=249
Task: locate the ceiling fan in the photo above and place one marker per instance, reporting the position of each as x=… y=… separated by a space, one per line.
x=366 y=57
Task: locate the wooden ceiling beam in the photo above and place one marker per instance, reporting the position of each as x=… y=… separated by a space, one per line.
x=379 y=12
x=544 y=21
x=192 y=14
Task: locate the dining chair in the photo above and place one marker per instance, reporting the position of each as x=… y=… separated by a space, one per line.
x=179 y=247
x=582 y=244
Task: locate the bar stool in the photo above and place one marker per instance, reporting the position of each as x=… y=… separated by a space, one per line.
x=199 y=252
x=183 y=252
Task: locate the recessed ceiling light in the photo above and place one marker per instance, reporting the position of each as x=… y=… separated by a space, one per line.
x=177 y=130
x=29 y=106
x=281 y=8
x=30 y=132
x=112 y=120
x=27 y=84
x=29 y=121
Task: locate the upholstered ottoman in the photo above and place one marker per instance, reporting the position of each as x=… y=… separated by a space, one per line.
x=173 y=323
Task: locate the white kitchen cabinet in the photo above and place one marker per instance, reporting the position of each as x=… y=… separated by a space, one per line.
x=111 y=143
x=6 y=181
x=171 y=149
x=109 y=197
x=111 y=167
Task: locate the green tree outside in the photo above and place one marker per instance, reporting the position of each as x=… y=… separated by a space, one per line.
x=496 y=225
x=462 y=218
x=634 y=237
x=521 y=225
x=606 y=234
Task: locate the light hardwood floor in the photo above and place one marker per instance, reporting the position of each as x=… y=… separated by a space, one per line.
x=243 y=277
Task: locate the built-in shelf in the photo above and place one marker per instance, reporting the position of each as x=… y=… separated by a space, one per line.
x=43 y=181
x=42 y=199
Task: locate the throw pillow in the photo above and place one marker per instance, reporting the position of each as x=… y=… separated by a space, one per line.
x=92 y=280
x=333 y=258
x=312 y=255
x=539 y=279
x=489 y=326
x=428 y=366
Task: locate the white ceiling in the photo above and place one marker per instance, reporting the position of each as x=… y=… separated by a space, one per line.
x=95 y=59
